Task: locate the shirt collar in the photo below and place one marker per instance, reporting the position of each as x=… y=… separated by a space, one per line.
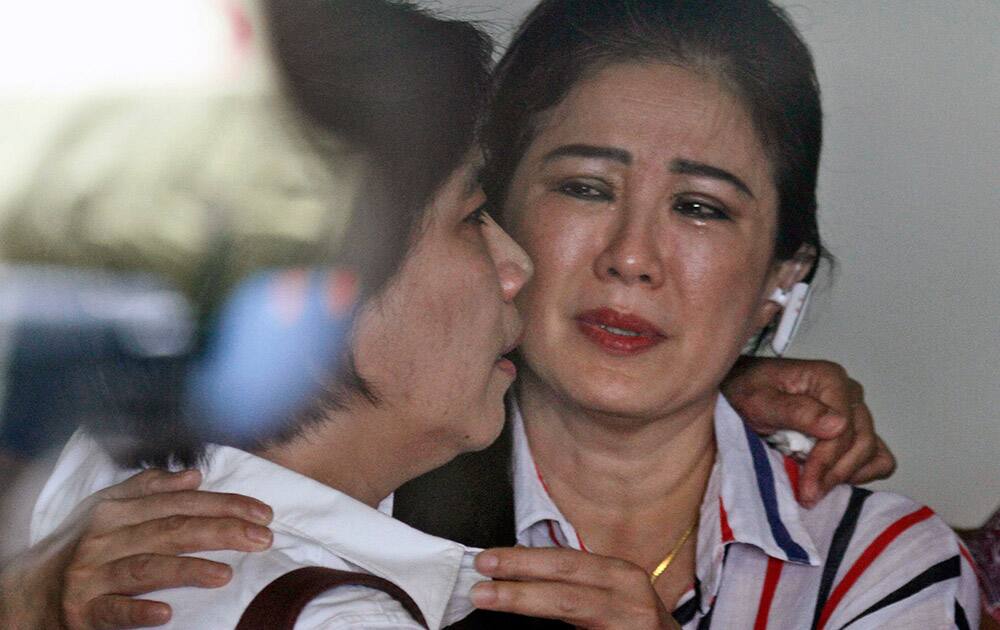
x=749 y=499
x=532 y=503
x=756 y=493
x=416 y=562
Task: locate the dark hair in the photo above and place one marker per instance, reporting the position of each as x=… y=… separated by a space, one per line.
x=750 y=45
x=402 y=85
x=407 y=90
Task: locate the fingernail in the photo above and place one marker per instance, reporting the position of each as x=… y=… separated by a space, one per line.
x=158 y=614
x=259 y=535
x=486 y=562
x=807 y=495
x=483 y=594
x=831 y=422
x=218 y=573
x=261 y=513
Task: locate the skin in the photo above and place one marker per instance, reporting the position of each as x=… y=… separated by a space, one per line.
x=619 y=224
x=445 y=304
x=130 y=535
x=453 y=297
x=814 y=397
x=820 y=399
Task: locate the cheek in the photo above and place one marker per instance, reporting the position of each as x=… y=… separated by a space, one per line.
x=559 y=242
x=720 y=284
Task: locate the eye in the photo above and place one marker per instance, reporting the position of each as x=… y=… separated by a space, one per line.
x=701 y=210
x=477 y=216
x=585 y=191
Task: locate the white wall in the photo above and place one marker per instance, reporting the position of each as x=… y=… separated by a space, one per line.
x=910 y=205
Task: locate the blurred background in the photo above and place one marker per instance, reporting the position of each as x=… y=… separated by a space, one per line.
x=150 y=172
x=148 y=168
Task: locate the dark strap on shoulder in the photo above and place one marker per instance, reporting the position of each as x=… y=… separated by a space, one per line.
x=279 y=605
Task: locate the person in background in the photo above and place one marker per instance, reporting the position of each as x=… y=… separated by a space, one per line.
x=984 y=546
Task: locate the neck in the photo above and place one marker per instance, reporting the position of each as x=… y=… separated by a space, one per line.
x=645 y=477
x=366 y=452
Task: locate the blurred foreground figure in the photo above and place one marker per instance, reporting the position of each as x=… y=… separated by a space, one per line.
x=205 y=187
x=423 y=290
x=127 y=218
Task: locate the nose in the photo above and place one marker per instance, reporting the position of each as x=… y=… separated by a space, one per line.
x=631 y=255
x=514 y=267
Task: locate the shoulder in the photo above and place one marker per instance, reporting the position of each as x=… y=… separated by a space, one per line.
x=888 y=557
x=83 y=468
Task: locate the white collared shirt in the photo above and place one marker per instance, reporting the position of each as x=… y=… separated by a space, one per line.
x=314 y=525
x=867 y=560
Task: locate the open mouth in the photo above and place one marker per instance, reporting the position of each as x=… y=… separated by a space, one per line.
x=619 y=333
x=505 y=360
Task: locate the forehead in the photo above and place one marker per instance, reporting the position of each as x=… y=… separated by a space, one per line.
x=658 y=111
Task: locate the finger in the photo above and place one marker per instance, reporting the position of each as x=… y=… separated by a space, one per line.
x=883 y=463
x=175 y=535
x=562 y=565
x=574 y=604
x=152 y=481
x=115 y=513
x=828 y=383
x=880 y=467
x=820 y=460
x=117 y=611
x=862 y=451
x=771 y=409
x=145 y=573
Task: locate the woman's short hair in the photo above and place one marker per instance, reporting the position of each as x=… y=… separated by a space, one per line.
x=749 y=45
x=404 y=86
x=407 y=90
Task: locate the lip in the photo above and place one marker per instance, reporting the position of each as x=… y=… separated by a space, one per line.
x=507 y=366
x=593 y=324
x=510 y=348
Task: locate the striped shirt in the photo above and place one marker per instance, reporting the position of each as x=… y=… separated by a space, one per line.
x=858 y=559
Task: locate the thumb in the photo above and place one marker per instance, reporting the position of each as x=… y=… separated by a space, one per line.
x=770 y=410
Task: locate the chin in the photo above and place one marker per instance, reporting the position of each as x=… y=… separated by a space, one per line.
x=484 y=429
x=625 y=399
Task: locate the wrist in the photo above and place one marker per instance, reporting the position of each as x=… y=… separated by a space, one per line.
x=28 y=600
x=14 y=610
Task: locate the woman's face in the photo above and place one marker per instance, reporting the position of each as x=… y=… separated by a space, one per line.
x=432 y=344
x=649 y=208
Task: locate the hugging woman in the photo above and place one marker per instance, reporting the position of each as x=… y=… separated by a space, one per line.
x=665 y=202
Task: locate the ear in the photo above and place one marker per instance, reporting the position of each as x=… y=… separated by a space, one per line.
x=784 y=275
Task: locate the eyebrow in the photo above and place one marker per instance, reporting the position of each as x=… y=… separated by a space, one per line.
x=678 y=166
x=687 y=167
x=589 y=151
